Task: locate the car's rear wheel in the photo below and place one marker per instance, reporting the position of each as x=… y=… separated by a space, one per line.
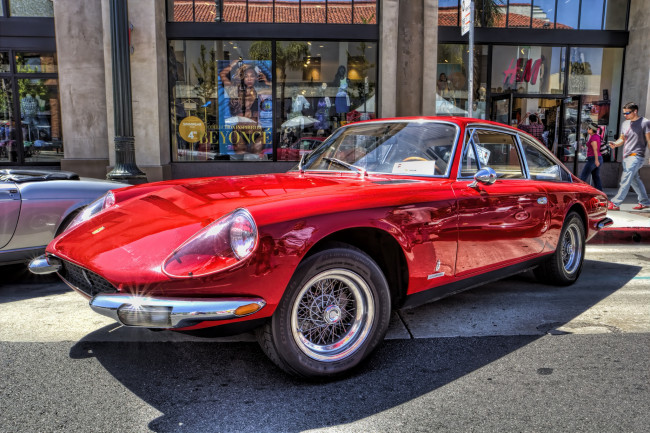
x=564 y=266
x=334 y=312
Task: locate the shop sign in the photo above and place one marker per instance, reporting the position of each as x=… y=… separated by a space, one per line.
x=192 y=129
x=522 y=70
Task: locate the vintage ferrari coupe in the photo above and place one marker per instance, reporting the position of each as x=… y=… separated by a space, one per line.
x=384 y=214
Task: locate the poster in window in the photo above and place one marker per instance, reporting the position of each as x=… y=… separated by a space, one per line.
x=245 y=108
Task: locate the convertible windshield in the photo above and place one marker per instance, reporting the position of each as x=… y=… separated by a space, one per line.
x=418 y=148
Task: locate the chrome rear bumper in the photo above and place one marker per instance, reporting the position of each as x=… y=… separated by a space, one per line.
x=604 y=223
x=131 y=310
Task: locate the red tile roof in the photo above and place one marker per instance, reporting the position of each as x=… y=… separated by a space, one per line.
x=448 y=16
x=285 y=11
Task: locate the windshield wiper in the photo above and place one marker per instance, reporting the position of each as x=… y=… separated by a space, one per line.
x=362 y=171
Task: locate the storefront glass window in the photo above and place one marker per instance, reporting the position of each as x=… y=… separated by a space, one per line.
x=567 y=14
x=595 y=73
x=615 y=14
x=221 y=106
x=260 y=11
x=32 y=63
x=528 y=69
x=234 y=10
x=40 y=117
x=519 y=14
x=543 y=14
x=494 y=12
x=31 y=8
x=313 y=11
x=340 y=12
x=365 y=12
x=4 y=62
x=448 y=13
x=451 y=88
x=321 y=86
x=591 y=15
x=8 y=140
x=287 y=12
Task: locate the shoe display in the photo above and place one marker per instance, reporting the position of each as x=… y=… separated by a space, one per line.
x=612 y=206
x=640 y=206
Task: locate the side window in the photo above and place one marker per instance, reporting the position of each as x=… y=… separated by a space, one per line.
x=469 y=164
x=540 y=165
x=494 y=149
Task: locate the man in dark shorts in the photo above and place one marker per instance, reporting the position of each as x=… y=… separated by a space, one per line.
x=635 y=138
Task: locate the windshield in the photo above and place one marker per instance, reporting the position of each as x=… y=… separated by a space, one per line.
x=418 y=148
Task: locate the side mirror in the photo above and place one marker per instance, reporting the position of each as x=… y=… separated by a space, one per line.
x=486 y=176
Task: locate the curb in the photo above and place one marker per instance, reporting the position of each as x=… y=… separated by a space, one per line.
x=622 y=235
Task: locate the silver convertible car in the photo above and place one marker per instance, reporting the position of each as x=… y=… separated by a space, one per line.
x=36 y=205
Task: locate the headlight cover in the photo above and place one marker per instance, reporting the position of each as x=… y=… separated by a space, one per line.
x=218 y=246
x=103 y=202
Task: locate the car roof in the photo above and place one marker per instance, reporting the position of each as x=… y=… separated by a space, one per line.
x=461 y=121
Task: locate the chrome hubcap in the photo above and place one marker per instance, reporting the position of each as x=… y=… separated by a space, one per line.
x=332 y=315
x=571 y=249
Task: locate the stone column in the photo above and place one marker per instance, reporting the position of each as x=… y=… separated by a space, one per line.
x=410 y=50
x=80 y=57
x=388 y=24
x=148 y=85
x=430 y=57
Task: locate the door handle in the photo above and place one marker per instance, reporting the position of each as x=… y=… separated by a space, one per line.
x=542 y=200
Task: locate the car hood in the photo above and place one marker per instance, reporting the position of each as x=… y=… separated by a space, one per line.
x=137 y=235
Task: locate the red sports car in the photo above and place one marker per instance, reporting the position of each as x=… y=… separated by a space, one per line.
x=384 y=214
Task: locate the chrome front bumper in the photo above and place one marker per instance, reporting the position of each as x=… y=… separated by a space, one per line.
x=131 y=310
x=44 y=264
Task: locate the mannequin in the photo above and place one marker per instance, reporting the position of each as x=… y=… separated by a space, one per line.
x=323 y=111
x=342 y=98
x=298 y=103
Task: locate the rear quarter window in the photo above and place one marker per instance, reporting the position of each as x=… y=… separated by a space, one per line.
x=542 y=166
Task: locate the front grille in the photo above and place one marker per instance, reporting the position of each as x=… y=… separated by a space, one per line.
x=88 y=282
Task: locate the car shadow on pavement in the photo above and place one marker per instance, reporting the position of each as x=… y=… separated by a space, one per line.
x=201 y=386
x=17 y=284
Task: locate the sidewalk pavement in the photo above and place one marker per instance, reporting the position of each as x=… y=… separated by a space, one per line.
x=630 y=226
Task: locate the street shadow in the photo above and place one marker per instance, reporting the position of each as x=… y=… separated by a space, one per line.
x=17 y=284
x=233 y=387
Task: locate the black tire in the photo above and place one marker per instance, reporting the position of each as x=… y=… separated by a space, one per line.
x=563 y=267
x=340 y=290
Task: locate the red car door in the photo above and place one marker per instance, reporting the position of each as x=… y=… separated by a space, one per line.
x=501 y=223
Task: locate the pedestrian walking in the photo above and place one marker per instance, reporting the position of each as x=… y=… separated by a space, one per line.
x=635 y=138
x=594 y=158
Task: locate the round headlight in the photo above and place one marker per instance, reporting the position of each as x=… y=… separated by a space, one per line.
x=243 y=234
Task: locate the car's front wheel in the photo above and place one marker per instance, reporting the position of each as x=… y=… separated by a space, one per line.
x=334 y=312
x=564 y=266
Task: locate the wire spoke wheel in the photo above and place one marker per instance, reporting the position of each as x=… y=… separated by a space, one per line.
x=571 y=249
x=332 y=315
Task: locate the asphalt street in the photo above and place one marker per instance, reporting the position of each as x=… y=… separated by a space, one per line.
x=513 y=355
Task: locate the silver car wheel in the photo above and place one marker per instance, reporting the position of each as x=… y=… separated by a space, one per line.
x=332 y=315
x=572 y=249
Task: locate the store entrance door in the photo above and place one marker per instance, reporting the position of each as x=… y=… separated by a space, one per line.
x=515 y=110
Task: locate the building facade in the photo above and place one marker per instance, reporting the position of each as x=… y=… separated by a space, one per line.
x=240 y=87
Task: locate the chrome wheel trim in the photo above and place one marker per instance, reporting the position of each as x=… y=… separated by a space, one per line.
x=571 y=249
x=332 y=315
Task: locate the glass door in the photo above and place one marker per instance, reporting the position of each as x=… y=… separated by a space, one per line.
x=501 y=109
x=571 y=144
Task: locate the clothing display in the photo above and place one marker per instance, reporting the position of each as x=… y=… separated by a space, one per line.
x=298 y=103
x=322 y=114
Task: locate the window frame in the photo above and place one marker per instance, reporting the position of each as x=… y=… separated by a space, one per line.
x=471 y=128
x=548 y=154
